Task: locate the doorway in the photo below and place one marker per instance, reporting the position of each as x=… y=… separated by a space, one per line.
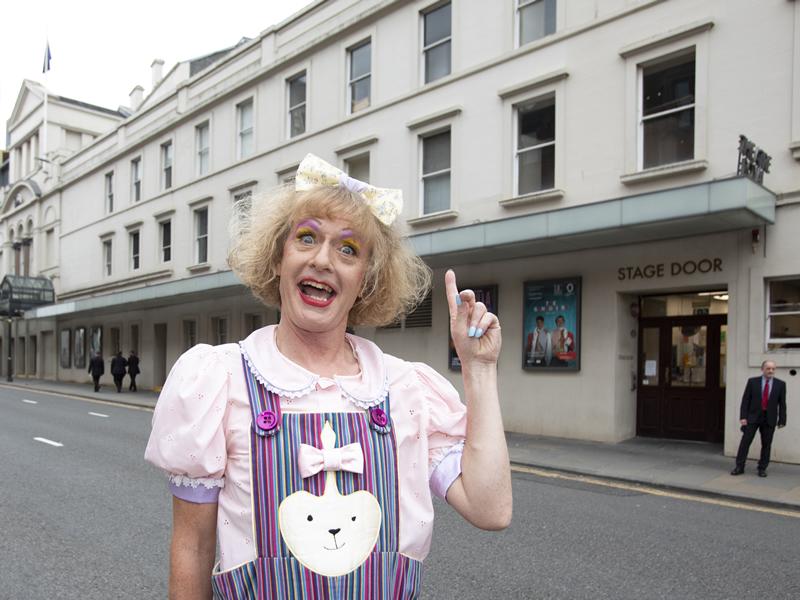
x=681 y=367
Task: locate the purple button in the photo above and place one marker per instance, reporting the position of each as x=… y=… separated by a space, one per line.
x=267 y=420
x=378 y=416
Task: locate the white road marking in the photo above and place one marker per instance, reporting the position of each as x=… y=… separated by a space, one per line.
x=81 y=398
x=46 y=441
x=94 y=414
x=634 y=487
x=26 y=401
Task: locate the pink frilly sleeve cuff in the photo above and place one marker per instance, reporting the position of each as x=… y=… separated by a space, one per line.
x=197 y=491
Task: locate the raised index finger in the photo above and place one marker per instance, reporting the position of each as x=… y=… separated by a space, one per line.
x=451 y=290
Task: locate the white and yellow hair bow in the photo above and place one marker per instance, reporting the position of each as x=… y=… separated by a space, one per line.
x=384 y=203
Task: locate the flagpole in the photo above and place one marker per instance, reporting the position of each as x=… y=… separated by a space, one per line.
x=43 y=142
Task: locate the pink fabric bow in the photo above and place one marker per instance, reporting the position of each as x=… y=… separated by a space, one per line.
x=311 y=460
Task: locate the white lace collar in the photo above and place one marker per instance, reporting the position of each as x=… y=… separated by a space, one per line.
x=288 y=379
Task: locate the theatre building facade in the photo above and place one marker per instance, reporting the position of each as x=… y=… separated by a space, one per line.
x=620 y=182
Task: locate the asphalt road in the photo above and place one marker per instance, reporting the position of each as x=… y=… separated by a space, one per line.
x=90 y=520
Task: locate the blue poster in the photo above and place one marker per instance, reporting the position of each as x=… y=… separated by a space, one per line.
x=551 y=322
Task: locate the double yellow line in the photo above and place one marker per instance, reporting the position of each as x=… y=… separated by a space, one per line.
x=633 y=487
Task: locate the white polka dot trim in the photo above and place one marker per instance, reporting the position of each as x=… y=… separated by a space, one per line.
x=194 y=482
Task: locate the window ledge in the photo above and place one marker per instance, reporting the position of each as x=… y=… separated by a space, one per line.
x=794 y=147
x=442 y=215
x=681 y=168
x=666 y=38
x=199 y=267
x=541 y=196
x=441 y=115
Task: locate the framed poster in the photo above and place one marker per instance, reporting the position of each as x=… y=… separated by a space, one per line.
x=483 y=293
x=551 y=321
x=80 y=348
x=65 y=349
x=96 y=339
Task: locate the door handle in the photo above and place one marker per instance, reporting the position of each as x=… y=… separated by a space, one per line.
x=666 y=376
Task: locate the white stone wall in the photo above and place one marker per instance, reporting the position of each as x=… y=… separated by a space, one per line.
x=591 y=64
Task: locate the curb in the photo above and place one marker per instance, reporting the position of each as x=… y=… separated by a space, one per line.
x=82 y=396
x=795 y=508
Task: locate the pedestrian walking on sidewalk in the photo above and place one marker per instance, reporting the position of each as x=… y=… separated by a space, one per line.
x=97 y=367
x=118 y=366
x=763 y=407
x=287 y=444
x=133 y=370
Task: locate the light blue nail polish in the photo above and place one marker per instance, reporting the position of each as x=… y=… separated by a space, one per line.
x=458 y=299
x=471 y=332
x=478 y=332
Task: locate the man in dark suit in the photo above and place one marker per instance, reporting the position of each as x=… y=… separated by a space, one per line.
x=133 y=369
x=97 y=367
x=763 y=407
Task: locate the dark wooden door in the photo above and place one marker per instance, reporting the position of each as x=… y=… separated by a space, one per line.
x=681 y=381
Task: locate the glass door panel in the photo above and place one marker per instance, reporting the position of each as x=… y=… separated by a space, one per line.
x=723 y=354
x=649 y=364
x=688 y=361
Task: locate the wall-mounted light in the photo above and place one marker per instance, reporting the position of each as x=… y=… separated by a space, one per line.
x=755 y=238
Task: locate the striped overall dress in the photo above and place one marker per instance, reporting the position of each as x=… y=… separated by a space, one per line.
x=275 y=438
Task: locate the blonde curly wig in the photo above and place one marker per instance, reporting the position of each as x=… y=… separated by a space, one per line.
x=396 y=279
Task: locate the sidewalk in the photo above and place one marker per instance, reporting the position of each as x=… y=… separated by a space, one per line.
x=687 y=466
x=678 y=465
x=107 y=393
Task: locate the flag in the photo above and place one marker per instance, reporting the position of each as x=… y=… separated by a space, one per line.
x=46 y=63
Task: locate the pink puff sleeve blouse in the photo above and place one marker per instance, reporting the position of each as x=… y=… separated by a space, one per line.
x=201 y=425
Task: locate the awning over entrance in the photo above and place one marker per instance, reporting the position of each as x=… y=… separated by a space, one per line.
x=191 y=289
x=19 y=294
x=711 y=207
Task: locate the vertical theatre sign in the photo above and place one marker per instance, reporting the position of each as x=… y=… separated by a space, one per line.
x=753 y=161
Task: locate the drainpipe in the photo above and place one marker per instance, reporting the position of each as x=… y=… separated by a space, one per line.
x=9 y=364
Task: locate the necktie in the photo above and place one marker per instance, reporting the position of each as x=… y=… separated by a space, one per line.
x=765 y=396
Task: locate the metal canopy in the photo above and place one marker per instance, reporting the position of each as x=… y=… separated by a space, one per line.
x=705 y=208
x=18 y=294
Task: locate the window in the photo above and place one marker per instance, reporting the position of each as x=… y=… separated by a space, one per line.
x=667 y=111
x=166 y=165
x=783 y=313
x=252 y=321
x=201 y=235
x=436 y=48
x=115 y=337
x=165 y=240
x=436 y=172
x=26 y=256
x=357 y=167
x=134 y=345
x=189 y=333
x=536 y=145
x=219 y=330
x=133 y=238
x=297 y=104
x=107 y=258
x=201 y=136
x=536 y=18
x=244 y=118
x=136 y=179
x=109 y=192
x=50 y=247
x=360 y=59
